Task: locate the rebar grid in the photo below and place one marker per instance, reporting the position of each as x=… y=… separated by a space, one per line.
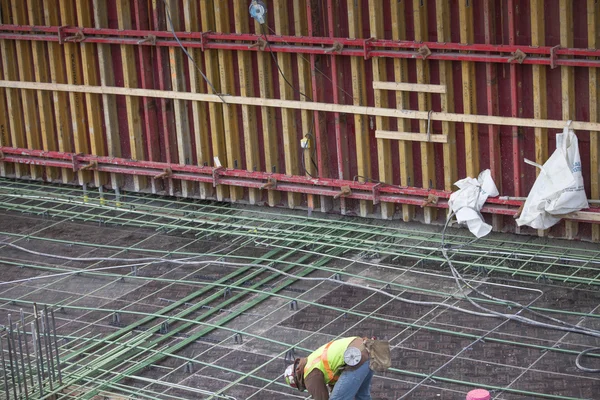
x=380 y=256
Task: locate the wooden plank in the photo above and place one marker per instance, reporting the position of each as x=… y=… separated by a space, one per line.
x=246 y=76
x=13 y=97
x=593 y=22
x=359 y=97
x=109 y=102
x=28 y=97
x=44 y=99
x=178 y=83
x=62 y=118
x=286 y=92
x=447 y=99
x=410 y=136
x=305 y=86
x=468 y=89
x=307 y=105
x=402 y=102
x=266 y=89
x=424 y=99
x=215 y=109
x=538 y=38
x=567 y=78
x=93 y=102
x=201 y=132
x=5 y=169
x=76 y=100
x=410 y=87
x=384 y=153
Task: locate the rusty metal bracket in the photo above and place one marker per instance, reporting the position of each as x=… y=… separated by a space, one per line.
x=336 y=48
x=92 y=165
x=148 y=39
x=553 y=56
x=424 y=52
x=376 y=193
x=517 y=56
x=430 y=200
x=271 y=184
x=261 y=44
x=216 y=175
x=367 y=48
x=344 y=192
x=203 y=40
x=77 y=38
x=165 y=174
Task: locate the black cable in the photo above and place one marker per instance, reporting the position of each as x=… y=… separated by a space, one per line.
x=188 y=54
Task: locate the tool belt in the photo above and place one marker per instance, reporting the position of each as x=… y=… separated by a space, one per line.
x=379 y=354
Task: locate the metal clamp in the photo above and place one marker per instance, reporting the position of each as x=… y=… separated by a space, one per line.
x=92 y=165
x=151 y=39
x=424 y=52
x=215 y=175
x=78 y=37
x=261 y=44
x=376 y=193
x=517 y=56
x=553 y=56
x=430 y=200
x=367 y=48
x=167 y=172
x=344 y=192
x=203 y=39
x=336 y=48
x=271 y=184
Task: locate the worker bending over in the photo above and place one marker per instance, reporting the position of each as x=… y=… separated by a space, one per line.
x=346 y=365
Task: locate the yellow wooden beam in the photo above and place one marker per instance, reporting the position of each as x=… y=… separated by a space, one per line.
x=269 y=125
x=109 y=102
x=410 y=87
x=305 y=86
x=402 y=102
x=75 y=77
x=359 y=98
x=593 y=22
x=411 y=136
x=178 y=83
x=246 y=75
x=24 y=61
x=384 y=153
x=424 y=99
x=215 y=110
x=201 y=132
x=468 y=89
x=288 y=121
x=5 y=169
x=567 y=77
x=93 y=102
x=447 y=99
x=62 y=117
x=44 y=99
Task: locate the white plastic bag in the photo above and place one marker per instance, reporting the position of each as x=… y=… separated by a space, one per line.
x=558 y=189
x=468 y=200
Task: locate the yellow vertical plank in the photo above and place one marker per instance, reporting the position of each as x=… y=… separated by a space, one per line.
x=75 y=77
x=269 y=126
x=178 y=84
x=62 y=118
x=447 y=99
x=290 y=137
x=132 y=103
x=305 y=86
x=384 y=153
x=567 y=78
x=359 y=98
x=199 y=111
x=13 y=96
x=28 y=97
x=215 y=110
x=402 y=102
x=468 y=89
x=93 y=102
x=424 y=99
x=246 y=75
x=538 y=38
x=107 y=78
x=44 y=98
x=593 y=22
x=5 y=169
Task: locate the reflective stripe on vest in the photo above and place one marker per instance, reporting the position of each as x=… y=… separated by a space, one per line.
x=329 y=359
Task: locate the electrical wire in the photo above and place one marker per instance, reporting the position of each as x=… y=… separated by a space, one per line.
x=188 y=54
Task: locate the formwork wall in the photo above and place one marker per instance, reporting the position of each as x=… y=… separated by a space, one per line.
x=229 y=125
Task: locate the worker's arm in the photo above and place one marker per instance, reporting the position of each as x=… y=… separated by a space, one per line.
x=315 y=384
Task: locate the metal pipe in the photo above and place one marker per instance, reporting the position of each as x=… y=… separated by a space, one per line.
x=40 y=365
x=6 y=391
x=22 y=315
x=58 y=366
x=13 y=346
x=38 y=339
x=48 y=342
x=12 y=368
x=22 y=362
x=48 y=357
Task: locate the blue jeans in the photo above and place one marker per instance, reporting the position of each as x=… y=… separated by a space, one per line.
x=354 y=384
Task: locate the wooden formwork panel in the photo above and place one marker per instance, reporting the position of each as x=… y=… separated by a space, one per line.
x=326 y=52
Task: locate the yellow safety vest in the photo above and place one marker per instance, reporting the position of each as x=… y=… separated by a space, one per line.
x=329 y=358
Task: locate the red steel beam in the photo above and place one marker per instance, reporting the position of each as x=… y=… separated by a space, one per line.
x=514 y=103
x=320 y=45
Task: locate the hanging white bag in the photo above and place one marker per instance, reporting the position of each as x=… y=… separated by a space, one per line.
x=558 y=190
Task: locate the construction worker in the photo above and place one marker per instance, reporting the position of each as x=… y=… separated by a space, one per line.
x=341 y=364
